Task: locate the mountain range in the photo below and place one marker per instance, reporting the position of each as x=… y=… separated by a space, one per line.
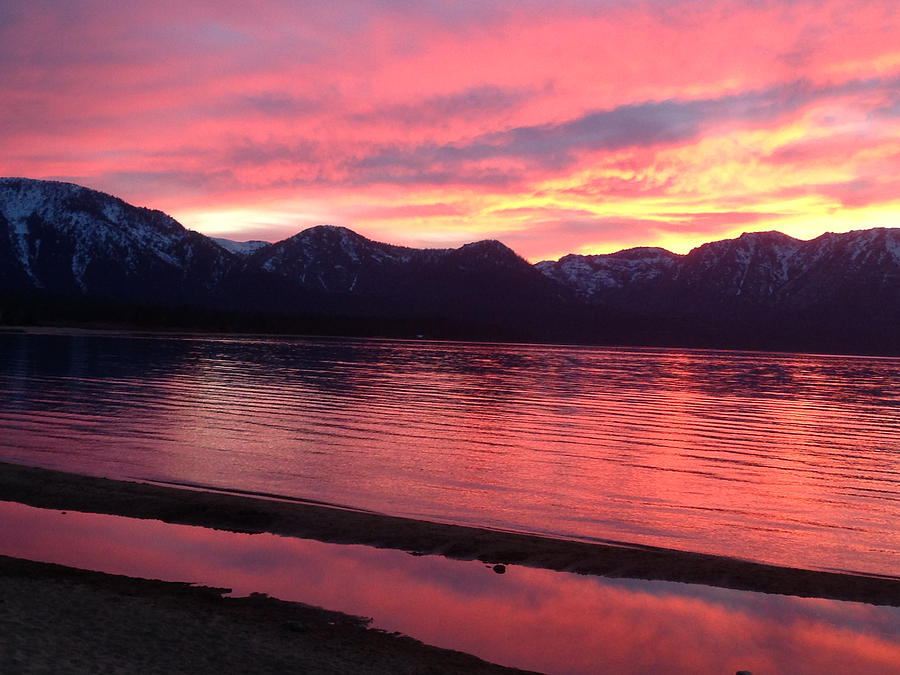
x=71 y=254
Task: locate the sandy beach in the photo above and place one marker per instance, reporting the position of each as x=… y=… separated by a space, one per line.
x=57 y=619
x=328 y=523
x=64 y=620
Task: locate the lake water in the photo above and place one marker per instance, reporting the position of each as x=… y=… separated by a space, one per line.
x=788 y=459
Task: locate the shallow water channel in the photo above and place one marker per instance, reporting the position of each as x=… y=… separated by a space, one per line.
x=554 y=622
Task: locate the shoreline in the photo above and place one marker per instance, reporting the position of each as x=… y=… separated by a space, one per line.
x=127 y=330
x=46 y=488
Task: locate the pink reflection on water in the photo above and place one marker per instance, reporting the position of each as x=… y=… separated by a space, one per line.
x=537 y=619
x=779 y=458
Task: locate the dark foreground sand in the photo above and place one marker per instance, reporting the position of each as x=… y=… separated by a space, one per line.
x=57 y=619
x=254 y=513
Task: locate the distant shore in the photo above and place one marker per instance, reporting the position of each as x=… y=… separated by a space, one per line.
x=246 y=512
x=337 y=330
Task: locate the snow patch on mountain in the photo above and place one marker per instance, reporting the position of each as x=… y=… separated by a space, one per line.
x=767 y=269
x=241 y=248
x=330 y=257
x=590 y=275
x=93 y=222
x=892 y=244
x=54 y=226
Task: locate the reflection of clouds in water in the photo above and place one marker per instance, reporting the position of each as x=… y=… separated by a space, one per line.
x=700 y=450
x=552 y=621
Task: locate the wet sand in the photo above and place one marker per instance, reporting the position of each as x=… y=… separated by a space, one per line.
x=257 y=513
x=56 y=619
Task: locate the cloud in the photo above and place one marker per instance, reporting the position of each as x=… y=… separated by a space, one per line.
x=558 y=234
x=425 y=174
x=642 y=107
x=555 y=146
x=838 y=148
x=850 y=194
x=714 y=221
x=275 y=104
x=558 y=146
x=542 y=232
x=162 y=185
x=646 y=184
x=406 y=211
x=249 y=153
x=480 y=100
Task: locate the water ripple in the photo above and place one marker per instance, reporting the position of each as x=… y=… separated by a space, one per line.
x=782 y=458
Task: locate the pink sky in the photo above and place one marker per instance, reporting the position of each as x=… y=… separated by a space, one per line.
x=571 y=126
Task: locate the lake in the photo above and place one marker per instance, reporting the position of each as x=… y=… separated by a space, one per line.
x=789 y=459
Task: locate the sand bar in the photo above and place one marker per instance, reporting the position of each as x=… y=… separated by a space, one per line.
x=245 y=513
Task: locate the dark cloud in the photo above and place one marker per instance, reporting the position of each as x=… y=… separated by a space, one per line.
x=425 y=175
x=479 y=14
x=275 y=104
x=250 y=153
x=558 y=146
x=890 y=110
x=483 y=100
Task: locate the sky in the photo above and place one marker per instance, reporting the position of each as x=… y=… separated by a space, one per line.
x=573 y=126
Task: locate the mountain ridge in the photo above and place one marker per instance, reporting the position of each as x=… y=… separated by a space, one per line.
x=760 y=290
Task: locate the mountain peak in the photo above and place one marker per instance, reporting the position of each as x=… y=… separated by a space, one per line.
x=766 y=235
x=487 y=253
x=749 y=241
x=328 y=231
x=487 y=246
x=643 y=253
x=66 y=238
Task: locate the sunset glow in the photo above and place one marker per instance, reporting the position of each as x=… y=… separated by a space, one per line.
x=574 y=126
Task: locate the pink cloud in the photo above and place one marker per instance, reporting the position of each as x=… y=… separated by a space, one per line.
x=220 y=103
x=406 y=211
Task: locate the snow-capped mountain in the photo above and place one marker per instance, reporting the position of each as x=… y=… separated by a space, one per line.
x=762 y=269
x=335 y=259
x=60 y=243
x=72 y=242
x=753 y=267
x=62 y=238
x=626 y=273
x=361 y=276
x=837 y=292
